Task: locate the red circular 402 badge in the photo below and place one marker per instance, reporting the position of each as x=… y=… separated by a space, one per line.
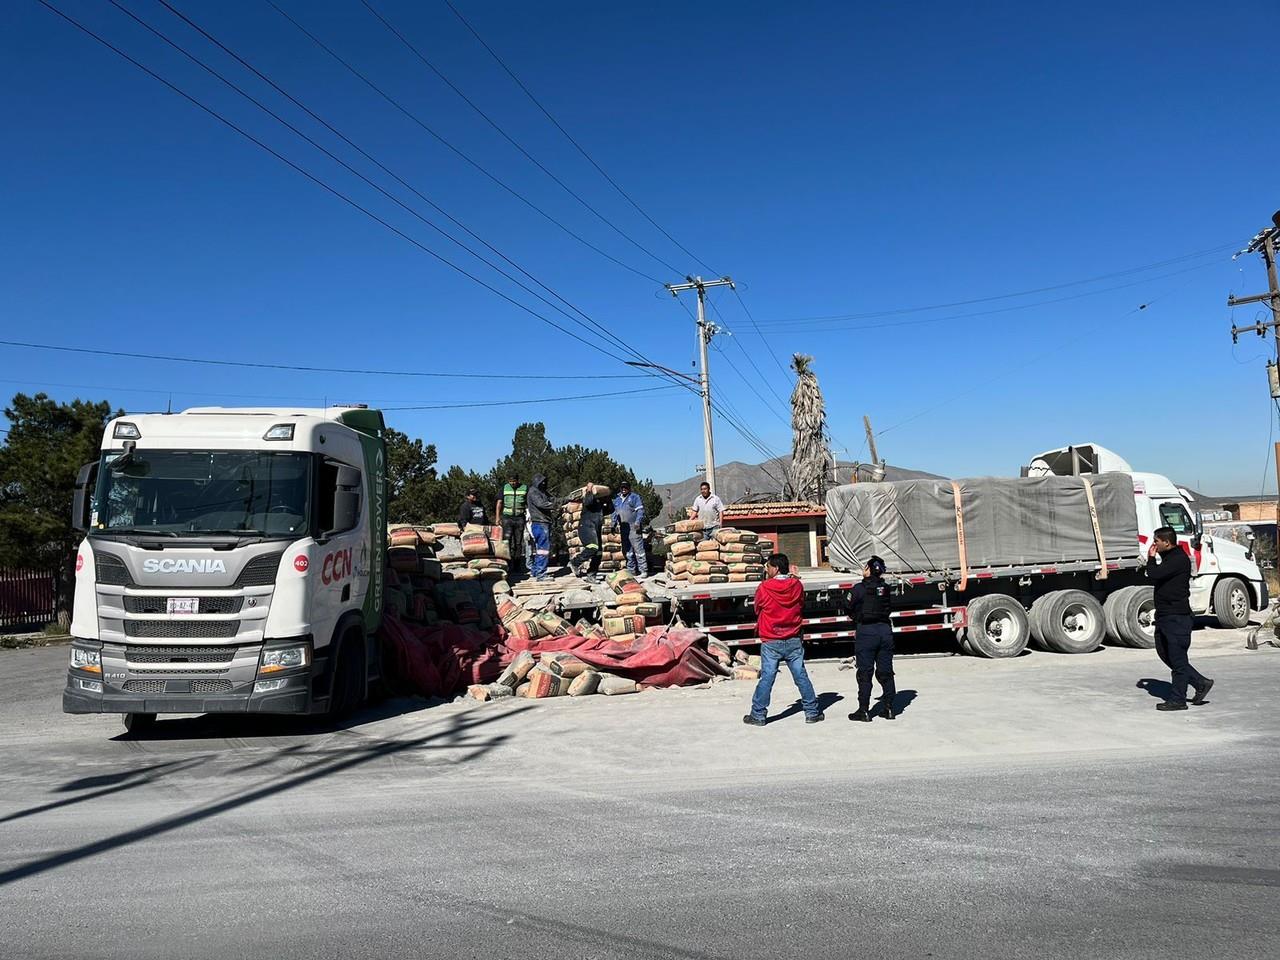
x=300 y=564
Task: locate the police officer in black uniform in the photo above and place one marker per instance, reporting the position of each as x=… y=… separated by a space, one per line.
x=873 y=643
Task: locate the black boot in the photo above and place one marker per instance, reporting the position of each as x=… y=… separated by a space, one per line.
x=887 y=709
x=862 y=716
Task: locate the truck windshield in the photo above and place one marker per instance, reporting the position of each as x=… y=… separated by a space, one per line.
x=174 y=492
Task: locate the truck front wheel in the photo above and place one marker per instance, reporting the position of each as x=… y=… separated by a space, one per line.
x=1231 y=603
x=138 y=724
x=997 y=627
x=348 y=680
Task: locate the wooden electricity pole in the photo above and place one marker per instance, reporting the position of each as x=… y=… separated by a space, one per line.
x=1265 y=243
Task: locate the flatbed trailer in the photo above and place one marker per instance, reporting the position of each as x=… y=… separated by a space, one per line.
x=931 y=602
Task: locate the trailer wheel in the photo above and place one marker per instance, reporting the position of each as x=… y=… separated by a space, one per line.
x=1071 y=621
x=1112 y=613
x=962 y=638
x=1135 y=617
x=998 y=627
x=1231 y=603
x=1033 y=618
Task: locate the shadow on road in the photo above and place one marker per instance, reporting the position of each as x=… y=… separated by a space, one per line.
x=109 y=783
x=1160 y=689
x=825 y=702
x=903 y=699
x=454 y=736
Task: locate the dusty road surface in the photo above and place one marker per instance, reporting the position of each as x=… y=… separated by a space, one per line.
x=1038 y=807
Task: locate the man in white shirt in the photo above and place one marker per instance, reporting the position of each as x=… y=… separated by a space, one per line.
x=707 y=508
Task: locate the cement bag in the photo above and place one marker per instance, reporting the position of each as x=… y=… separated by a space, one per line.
x=553 y=625
x=649 y=611
x=734 y=535
x=446 y=530
x=403 y=537
x=621 y=625
x=620 y=580
x=487 y=563
x=404 y=559
x=692 y=537
x=744 y=577
x=739 y=547
x=710 y=578
x=684 y=549
x=511 y=612
x=746 y=568
x=708 y=554
x=475 y=542
x=526 y=631
x=462 y=573
x=630 y=599
x=687 y=526
x=502 y=549
x=698 y=567
x=680 y=566
x=683 y=575
x=493 y=574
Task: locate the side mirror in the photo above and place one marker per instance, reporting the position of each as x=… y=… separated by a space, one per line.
x=82 y=499
x=346 y=509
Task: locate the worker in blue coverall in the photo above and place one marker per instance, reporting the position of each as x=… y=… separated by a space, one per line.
x=628 y=516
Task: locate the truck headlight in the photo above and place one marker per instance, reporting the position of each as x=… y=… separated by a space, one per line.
x=88 y=660
x=275 y=659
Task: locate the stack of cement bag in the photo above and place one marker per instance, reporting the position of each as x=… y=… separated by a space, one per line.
x=612 y=556
x=730 y=556
x=525 y=627
x=440 y=574
x=630 y=597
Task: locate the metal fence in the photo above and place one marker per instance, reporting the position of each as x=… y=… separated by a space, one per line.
x=27 y=598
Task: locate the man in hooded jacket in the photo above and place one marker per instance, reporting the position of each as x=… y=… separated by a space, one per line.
x=541 y=507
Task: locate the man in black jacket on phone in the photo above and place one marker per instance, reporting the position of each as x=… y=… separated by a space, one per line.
x=1171 y=576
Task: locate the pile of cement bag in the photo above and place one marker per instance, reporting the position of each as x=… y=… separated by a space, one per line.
x=729 y=556
x=440 y=574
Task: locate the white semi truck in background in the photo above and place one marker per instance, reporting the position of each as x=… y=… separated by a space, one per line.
x=233 y=561
x=1065 y=607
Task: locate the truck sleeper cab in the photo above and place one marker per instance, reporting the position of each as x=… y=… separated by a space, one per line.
x=232 y=562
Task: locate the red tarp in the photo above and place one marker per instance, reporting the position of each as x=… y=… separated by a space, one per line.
x=443 y=659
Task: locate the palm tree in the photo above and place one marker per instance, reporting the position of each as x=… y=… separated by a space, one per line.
x=811 y=460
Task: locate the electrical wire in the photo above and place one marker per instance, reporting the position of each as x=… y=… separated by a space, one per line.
x=512 y=403
x=591 y=326
x=1008 y=296
x=455 y=150
x=577 y=146
x=760 y=333
x=511 y=140
x=381 y=166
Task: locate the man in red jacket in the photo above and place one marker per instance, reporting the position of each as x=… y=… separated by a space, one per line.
x=779 y=616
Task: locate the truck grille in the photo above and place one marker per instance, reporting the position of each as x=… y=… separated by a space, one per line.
x=161 y=604
x=260 y=571
x=111 y=570
x=182 y=629
x=179 y=654
x=210 y=686
x=144 y=686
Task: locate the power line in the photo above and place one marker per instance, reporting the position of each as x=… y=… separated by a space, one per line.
x=591 y=326
x=760 y=333
x=511 y=403
x=577 y=146
x=511 y=140
x=441 y=139
x=1009 y=296
x=1025 y=306
x=381 y=166
x=259 y=365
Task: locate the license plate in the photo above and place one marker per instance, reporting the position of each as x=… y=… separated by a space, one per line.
x=181 y=605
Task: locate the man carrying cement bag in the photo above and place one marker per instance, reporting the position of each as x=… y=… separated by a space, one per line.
x=707 y=507
x=541 y=511
x=869 y=606
x=628 y=516
x=587 y=563
x=779 y=617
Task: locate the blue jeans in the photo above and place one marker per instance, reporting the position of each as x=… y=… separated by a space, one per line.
x=771 y=654
x=541 y=548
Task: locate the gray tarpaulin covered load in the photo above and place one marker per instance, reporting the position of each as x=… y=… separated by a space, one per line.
x=1007 y=522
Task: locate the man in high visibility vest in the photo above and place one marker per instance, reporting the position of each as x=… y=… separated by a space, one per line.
x=510 y=510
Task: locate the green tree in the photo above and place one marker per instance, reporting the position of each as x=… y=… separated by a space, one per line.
x=417 y=492
x=47 y=444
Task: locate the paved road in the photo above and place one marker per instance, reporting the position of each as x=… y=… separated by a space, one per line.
x=1030 y=808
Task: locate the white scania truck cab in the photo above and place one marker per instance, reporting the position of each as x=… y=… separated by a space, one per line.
x=233 y=561
x=1226 y=580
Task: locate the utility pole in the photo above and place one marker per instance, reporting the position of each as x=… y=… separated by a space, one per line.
x=705 y=332
x=1265 y=243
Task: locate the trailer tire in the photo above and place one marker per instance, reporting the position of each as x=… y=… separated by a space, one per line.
x=1231 y=603
x=1135 y=614
x=1070 y=621
x=1033 y=618
x=1112 y=613
x=998 y=627
x=962 y=638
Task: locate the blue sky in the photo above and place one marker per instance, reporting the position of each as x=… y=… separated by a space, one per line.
x=836 y=159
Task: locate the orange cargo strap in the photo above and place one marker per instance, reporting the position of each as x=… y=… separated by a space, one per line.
x=1097 y=530
x=964 y=553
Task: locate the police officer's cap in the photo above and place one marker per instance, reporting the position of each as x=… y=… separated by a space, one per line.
x=876 y=566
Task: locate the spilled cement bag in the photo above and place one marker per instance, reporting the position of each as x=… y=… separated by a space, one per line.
x=617 y=626
x=647 y=610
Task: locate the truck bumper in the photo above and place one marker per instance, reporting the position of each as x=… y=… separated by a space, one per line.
x=280 y=701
